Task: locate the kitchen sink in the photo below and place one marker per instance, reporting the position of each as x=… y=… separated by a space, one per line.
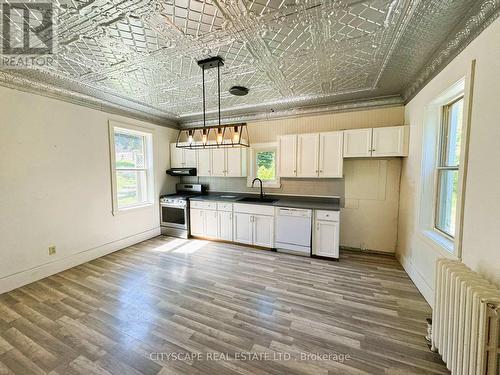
x=257 y=200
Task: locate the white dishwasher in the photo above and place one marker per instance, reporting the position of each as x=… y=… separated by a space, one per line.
x=293 y=230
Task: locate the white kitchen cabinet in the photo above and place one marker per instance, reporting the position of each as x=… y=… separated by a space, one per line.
x=326 y=234
x=204 y=164
x=243 y=228
x=190 y=158
x=307 y=155
x=223 y=162
x=263 y=230
x=390 y=141
x=225 y=225
x=182 y=157
x=197 y=221
x=357 y=143
x=254 y=224
x=287 y=145
x=211 y=221
x=218 y=162
x=331 y=160
x=235 y=162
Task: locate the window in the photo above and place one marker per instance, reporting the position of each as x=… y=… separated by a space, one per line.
x=131 y=164
x=264 y=164
x=448 y=166
x=443 y=145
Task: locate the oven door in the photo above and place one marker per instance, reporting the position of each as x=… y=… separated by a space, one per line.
x=174 y=216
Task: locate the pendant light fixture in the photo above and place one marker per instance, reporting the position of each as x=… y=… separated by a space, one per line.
x=215 y=136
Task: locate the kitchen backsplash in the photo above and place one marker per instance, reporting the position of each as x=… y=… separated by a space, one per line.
x=297 y=186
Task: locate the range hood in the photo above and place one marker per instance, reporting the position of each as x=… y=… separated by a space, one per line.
x=181 y=171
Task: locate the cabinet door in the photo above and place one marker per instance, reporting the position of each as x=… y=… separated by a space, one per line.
x=331 y=160
x=204 y=162
x=176 y=156
x=326 y=239
x=219 y=162
x=307 y=155
x=197 y=220
x=389 y=141
x=263 y=231
x=357 y=143
x=190 y=158
x=233 y=162
x=211 y=223
x=288 y=155
x=242 y=228
x=225 y=225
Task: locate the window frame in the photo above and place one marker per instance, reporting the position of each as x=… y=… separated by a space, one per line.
x=441 y=166
x=431 y=121
x=252 y=167
x=148 y=134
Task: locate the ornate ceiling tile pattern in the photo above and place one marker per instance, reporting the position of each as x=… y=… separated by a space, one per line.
x=141 y=55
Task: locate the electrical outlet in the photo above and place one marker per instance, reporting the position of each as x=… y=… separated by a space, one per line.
x=52 y=250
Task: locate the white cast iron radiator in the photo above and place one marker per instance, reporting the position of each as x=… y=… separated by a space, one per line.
x=465 y=320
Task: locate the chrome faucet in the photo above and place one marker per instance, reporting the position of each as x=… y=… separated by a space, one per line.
x=261 y=192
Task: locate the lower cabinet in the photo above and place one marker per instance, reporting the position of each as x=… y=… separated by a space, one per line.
x=243 y=230
x=197 y=222
x=254 y=225
x=225 y=225
x=326 y=234
x=263 y=231
x=211 y=223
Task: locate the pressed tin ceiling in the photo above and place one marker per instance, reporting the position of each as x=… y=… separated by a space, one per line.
x=139 y=56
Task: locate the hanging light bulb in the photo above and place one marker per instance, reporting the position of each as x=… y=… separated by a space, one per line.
x=204 y=136
x=236 y=135
x=190 y=136
x=219 y=136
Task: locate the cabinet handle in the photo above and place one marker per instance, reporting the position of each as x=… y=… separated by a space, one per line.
x=321 y=171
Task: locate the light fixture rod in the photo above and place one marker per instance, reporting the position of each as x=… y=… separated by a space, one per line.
x=218 y=79
x=203 y=78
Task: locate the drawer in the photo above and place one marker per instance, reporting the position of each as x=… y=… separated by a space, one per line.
x=256 y=209
x=204 y=205
x=327 y=215
x=223 y=206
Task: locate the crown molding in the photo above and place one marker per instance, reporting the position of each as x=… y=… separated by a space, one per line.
x=116 y=105
x=352 y=105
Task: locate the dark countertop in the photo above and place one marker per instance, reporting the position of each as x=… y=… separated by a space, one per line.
x=316 y=203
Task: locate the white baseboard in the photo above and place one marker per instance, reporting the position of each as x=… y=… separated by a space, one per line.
x=19 y=279
x=417 y=279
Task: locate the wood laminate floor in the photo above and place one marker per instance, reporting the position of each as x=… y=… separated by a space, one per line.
x=190 y=306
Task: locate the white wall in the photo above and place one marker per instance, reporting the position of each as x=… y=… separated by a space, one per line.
x=55 y=187
x=480 y=249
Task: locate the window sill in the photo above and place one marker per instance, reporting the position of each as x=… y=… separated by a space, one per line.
x=443 y=244
x=125 y=210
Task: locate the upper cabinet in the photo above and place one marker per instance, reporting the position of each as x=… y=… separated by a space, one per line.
x=307 y=155
x=311 y=155
x=182 y=157
x=287 y=145
x=376 y=142
x=331 y=161
x=390 y=141
x=223 y=162
x=358 y=143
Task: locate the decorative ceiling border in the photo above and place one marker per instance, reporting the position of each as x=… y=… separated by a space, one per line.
x=464 y=34
x=18 y=82
x=346 y=106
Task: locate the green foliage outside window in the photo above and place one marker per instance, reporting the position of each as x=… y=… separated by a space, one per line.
x=266 y=165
